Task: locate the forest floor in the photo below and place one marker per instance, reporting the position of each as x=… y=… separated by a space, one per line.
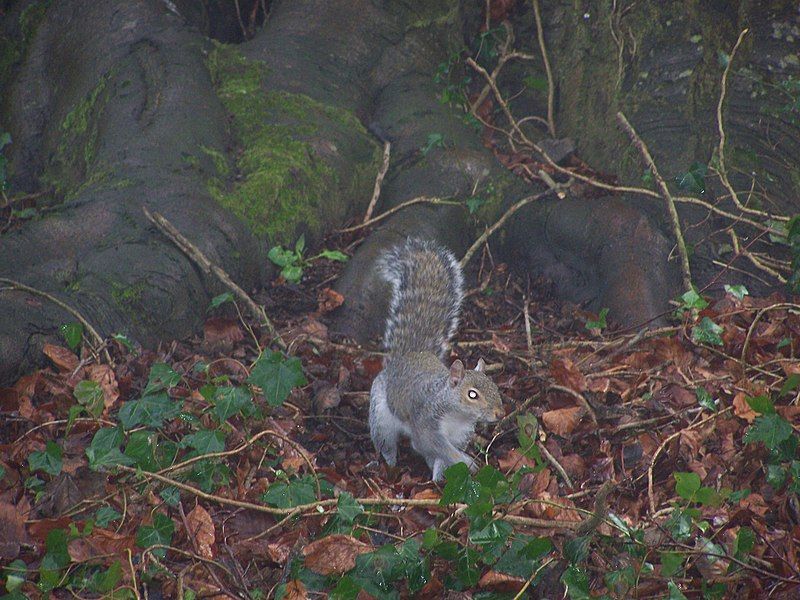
x=632 y=464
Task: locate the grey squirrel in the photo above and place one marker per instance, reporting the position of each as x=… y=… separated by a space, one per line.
x=416 y=394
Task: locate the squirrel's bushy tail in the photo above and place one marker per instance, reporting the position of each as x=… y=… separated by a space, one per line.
x=427 y=290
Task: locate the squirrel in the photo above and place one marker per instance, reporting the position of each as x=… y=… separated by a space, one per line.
x=416 y=394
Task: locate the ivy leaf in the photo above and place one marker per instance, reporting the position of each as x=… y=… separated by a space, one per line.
x=671 y=564
x=277 y=376
x=204 y=441
x=737 y=291
x=790 y=384
x=104 y=449
x=15 y=574
x=707 y=332
x=89 y=394
x=72 y=334
x=48 y=460
x=218 y=301
x=150 y=411
x=693 y=300
x=293 y=493
x=694 y=179
x=347 y=507
x=105 y=515
x=576 y=582
x=459 y=486
x=300 y=245
x=705 y=400
x=770 y=429
x=744 y=542
x=761 y=404
x=435 y=140
x=527 y=434
x=576 y=550
x=159 y=533
x=162 y=377
x=229 y=401
x=686 y=485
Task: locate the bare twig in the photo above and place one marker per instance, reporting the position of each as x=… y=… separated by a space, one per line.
x=86 y=325
x=399 y=207
x=200 y=259
x=665 y=194
x=376 y=192
x=661 y=447
x=551 y=124
x=499 y=223
x=579 y=397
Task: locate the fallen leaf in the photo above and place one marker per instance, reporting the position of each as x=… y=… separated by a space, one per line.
x=12 y=531
x=565 y=373
x=104 y=375
x=221 y=333
x=100 y=543
x=500 y=582
x=295 y=590
x=201 y=529
x=328 y=300
x=562 y=421
x=63 y=358
x=334 y=554
x=742 y=409
x=327 y=396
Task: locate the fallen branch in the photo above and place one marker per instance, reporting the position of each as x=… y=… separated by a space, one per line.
x=376 y=192
x=551 y=124
x=401 y=206
x=86 y=325
x=200 y=259
x=665 y=194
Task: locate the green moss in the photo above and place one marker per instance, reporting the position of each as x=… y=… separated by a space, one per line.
x=285 y=177
x=127 y=296
x=435 y=14
x=73 y=167
x=219 y=159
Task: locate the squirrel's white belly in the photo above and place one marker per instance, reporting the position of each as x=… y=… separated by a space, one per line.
x=457 y=430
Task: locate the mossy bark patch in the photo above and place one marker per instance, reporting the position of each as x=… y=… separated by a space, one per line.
x=301 y=163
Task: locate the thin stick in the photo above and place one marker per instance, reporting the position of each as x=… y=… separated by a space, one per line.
x=663 y=444
x=200 y=259
x=86 y=325
x=500 y=222
x=376 y=191
x=399 y=207
x=723 y=174
x=665 y=194
x=555 y=464
x=579 y=397
x=551 y=124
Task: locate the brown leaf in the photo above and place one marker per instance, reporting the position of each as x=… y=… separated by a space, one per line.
x=500 y=582
x=328 y=300
x=201 y=529
x=565 y=373
x=12 y=531
x=104 y=375
x=63 y=358
x=295 y=590
x=562 y=421
x=742 y=409
x=100 y=543
x=334 y=554
x=499 y=343
x=327 y=396
x=221 y=333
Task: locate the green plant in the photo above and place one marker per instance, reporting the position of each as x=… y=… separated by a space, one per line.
x=292 y=262
x=435 y=140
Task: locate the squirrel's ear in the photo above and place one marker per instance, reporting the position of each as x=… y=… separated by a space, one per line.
x=480 y=365
x=456 y=373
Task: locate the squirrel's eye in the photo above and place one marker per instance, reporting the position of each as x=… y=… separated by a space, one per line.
x=473 y=394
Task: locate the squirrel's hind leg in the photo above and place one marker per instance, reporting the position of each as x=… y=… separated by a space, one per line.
x=440 y=453
x=384 y=427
